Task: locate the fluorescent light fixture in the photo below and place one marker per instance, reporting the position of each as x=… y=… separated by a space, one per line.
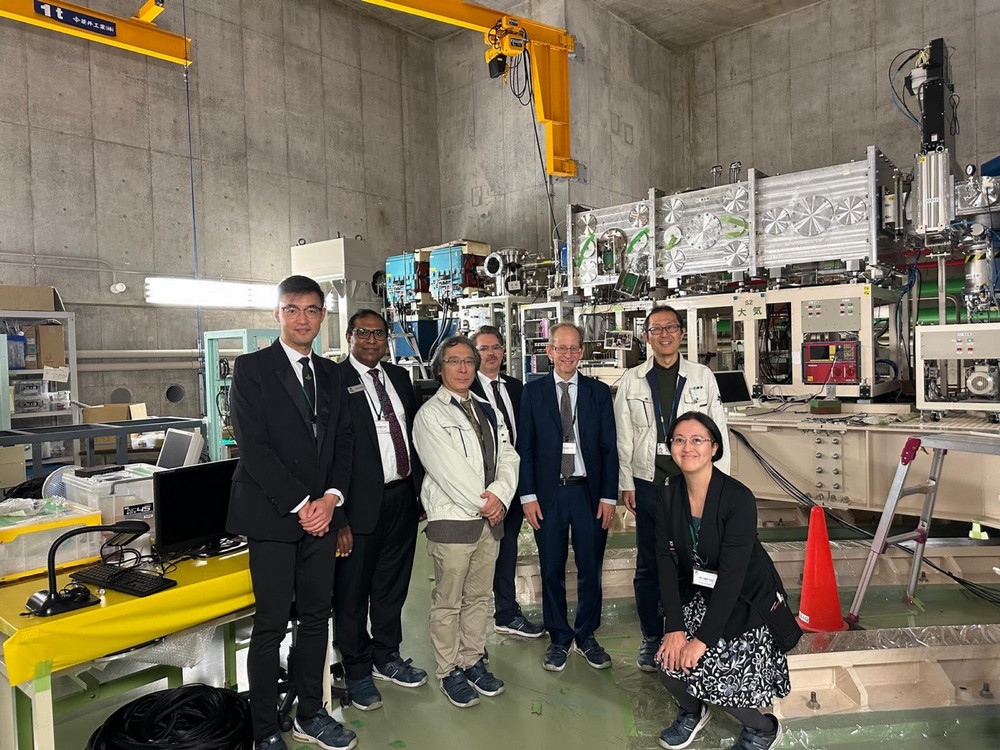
x=162 y=290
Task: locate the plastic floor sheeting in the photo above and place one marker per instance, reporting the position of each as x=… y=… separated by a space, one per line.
x=582 y=708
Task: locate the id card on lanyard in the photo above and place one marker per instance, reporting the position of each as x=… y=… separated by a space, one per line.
x=701 y=575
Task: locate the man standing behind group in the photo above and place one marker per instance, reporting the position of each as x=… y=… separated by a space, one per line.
x=650 y=396
x=471 y=476
x=504 y=394
x=376 y=546
x=293 y=427
x=569 y=476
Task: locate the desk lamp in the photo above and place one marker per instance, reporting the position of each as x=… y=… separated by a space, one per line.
x=48 y=602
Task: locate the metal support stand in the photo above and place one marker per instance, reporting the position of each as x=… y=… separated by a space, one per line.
x=940 y=444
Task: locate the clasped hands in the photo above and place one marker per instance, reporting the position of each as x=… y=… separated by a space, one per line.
x=494 y=510
x=677 y=652
x=315 y=515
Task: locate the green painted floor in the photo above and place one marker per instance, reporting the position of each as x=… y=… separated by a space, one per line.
x=583 y=708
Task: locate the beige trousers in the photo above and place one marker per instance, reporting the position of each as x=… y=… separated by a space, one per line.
x=460 y=600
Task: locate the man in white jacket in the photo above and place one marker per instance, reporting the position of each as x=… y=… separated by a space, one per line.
x=650 y=396
x=471 y=476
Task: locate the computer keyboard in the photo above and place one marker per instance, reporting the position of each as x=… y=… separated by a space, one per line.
x=126 y=580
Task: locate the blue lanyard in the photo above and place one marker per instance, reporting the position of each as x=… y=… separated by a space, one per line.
x=678 y=387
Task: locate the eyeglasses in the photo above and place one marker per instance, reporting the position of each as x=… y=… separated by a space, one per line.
x=697 y=441
x=670 y=328
x=379 y=334
x=567 y=349
x=312 y=311
x=494 y=348
x=455 y=362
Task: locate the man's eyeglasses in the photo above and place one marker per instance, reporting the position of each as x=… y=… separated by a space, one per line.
x=493 y=348
x=697 y=441
x=456 y=361
x=312 y=311
x=379 y=334
x=567 y=349
x=670 y=328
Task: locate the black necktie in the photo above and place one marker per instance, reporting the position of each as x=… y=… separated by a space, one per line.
x=503 y=408
x=308 y=385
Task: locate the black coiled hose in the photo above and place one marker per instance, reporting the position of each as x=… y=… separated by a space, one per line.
x=193 y=717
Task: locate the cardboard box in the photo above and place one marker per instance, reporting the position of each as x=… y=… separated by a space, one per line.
x=111 y=413
x=12 y=466
x=30 y=298
x=51 y=349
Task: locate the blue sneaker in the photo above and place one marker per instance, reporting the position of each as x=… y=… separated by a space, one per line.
x=592 y=651
x=646 y=660
x=364 y=695
x=400 y=672
x=484 y=681
x=753 y=739
x=522 y=626
x=274 y=742
x=457 y=689
x=323 y=730
x=685 y=728
x=555 y=658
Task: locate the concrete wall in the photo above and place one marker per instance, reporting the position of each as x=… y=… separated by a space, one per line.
x=810 y=88
x=308 y=119
x=626 y=101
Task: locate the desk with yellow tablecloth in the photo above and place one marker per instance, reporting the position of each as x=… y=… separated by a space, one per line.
x=213 y=591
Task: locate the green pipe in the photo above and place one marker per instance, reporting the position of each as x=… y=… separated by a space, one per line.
x=930 y=315
x=952 y=286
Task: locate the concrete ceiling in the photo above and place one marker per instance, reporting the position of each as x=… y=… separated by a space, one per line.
x=672 y=23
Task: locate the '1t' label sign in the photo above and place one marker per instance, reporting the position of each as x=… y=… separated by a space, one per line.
x=76 y=19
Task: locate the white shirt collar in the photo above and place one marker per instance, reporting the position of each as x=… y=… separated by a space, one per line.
x=363 y=368
x=293 y=356
x=485 y=380
x=575 y=380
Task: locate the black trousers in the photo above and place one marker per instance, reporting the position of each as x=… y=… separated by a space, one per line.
x=506 y=607
x=571 y=510
x=279 y=571
x=372 y=582
x=646 y=582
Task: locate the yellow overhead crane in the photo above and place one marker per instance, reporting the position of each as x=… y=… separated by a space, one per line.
x=508 y=36
x=136 y=34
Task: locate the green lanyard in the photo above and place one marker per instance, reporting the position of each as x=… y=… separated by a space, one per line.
x=694 y=545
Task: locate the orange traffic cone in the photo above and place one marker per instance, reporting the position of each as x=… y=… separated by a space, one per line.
x=819 y=604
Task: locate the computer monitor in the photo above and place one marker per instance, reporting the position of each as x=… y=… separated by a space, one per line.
x=733 y=388
x=190 y=508
x=180 y=448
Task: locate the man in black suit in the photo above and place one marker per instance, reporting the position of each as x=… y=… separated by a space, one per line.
x=569 y=483
x=376 y=546
x=504 y=394
x=292 y=424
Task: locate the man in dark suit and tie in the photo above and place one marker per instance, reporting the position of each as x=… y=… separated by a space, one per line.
x=376 y=546
x=292 y=425
x=569 y=483
x=504 y=394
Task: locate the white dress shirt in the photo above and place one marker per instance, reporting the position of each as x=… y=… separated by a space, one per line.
x=390 y=471
x=579 y=468
x=294 y=357
x=508 y=404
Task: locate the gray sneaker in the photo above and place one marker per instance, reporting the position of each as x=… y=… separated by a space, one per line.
x=685 y=728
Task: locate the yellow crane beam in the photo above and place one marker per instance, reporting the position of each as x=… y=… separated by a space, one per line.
x=136 y=34
x=549 y=47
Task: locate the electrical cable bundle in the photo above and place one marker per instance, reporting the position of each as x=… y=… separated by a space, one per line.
x=193 y=717
x=986 y=593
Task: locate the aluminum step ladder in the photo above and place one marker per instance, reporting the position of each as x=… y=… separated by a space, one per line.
x=940 y=443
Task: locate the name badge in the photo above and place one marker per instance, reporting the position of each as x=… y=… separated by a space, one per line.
x=355 y=388
x=662 y=449
x=381 y=427
x=704 y=578
x=569 y=449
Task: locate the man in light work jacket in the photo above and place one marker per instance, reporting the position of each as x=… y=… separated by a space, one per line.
x=650 y=396
x=504 y=394
x=569 y=476
x=376 y=546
